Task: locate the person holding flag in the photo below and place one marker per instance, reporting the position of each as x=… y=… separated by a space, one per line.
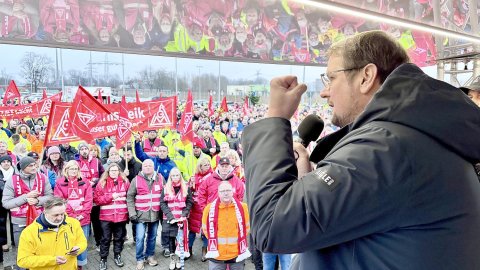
x=163 y=163
x=78 y=194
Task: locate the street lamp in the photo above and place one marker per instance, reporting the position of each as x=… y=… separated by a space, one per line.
x=199 y=82
x=35 y=76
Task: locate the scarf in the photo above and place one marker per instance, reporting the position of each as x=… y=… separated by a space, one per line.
x=7 y=174
x=182 y=237
x=28 y=177
x=212 y=230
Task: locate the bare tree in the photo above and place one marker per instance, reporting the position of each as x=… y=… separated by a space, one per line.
x=36 y=68
x=5 y=77
x=147 y=78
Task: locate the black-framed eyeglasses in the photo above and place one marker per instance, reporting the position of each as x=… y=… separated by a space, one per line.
x=326 y=80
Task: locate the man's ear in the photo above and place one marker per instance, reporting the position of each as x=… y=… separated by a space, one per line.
x=370 y=80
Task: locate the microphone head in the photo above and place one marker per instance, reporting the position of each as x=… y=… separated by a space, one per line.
x=310 y=128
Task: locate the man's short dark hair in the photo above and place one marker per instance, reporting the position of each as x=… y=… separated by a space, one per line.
x=376 y=47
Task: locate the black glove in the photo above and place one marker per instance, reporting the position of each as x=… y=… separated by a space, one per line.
x=134 y=218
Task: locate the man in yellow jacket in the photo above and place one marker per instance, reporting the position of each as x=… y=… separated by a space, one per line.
x=52 y=241
x=225 y=223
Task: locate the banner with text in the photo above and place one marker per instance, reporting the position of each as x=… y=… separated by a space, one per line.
x=143 y=116
x=34 y=110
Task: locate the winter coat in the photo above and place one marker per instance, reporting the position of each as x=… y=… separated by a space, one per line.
x=390 y=191
x=150 y=215
x=10 y=201
x=195 y=217
x=172 y=229
x=39 y=245
x=227 y=229
x=85 y=193
x=68 y=153
x=208 y=190
x=110 y=210
x=3 y=214
x=162 y=166
x=134 y=168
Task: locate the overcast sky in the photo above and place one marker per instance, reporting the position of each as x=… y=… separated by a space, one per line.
x=76 y=59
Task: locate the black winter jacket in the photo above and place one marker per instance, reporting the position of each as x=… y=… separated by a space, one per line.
x=395 y=190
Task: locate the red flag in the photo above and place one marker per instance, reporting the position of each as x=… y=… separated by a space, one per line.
x=99 y=95
x=124 y=128
x=211 y=108
x=137 y=96
x=31 y=214
x=44 y=96
x=186 y=122
x=224 y=106
x=245 y=106
x=83 y=114
x=11 y=93
x=58 y=128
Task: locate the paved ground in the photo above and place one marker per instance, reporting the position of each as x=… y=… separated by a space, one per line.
x=128 y=256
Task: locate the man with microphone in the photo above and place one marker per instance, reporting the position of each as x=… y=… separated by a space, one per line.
x=394 y=188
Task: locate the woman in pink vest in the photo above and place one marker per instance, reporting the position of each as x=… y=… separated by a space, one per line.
x=202 y=171
x=111 y=196
x=176 y=202
x=79 y=196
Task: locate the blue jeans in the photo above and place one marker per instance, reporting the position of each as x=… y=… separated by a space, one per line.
x=150 y=230
x=270 y=258
x=204 y=240
x=191 y=239
x=82 y=258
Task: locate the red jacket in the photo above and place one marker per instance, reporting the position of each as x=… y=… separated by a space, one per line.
x=195 y=217
x=110 y=210
x=79 y=198
x=208 y=190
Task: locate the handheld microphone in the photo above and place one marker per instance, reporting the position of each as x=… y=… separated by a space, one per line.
x=310 y=128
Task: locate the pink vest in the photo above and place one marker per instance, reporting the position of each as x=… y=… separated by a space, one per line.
x=149 y=147
x=117 y=208
x=146 y=199
x=176 y=204
x=89 y=169
x=21 y=188
x=75 y=197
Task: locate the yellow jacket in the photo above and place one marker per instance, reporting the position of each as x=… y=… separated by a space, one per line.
x=39 y=246
x=227 y=229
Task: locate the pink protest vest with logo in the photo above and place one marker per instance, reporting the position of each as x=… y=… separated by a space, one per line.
x=21 y=188
x=89 y=169
x=147 y=199
x=75 y=197
x=117 y=210
x=149 y=147
x=176 y=204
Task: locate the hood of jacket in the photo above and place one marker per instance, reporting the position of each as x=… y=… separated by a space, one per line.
x=216 y=175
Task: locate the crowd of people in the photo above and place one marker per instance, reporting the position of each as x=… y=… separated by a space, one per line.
x=191 y=189
x=155 y=180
